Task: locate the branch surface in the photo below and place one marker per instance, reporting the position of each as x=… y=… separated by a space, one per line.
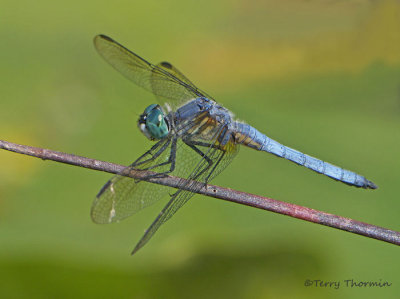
x=248 y=199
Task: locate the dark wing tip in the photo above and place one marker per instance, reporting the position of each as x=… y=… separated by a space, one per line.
x=102 y=36
x=166 y=65
x=98 y=38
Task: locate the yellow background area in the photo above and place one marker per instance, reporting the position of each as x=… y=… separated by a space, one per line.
x=322 y=77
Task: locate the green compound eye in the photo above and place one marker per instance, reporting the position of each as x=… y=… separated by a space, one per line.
x=152 y=123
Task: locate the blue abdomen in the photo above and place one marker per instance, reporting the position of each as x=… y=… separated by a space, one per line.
x=249 y=136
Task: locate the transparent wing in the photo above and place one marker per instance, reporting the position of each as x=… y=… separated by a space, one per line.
x=122 y=196
x=163 y=80
x=172 y=89
x=202 y=173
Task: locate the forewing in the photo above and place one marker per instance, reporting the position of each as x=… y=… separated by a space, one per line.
x=163 y=80
x=123 y=196
x=190 y=92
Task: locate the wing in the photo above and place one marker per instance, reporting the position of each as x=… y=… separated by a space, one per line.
x=123 y=196
x=202 y=174
x=163 y=80
x=173 y=71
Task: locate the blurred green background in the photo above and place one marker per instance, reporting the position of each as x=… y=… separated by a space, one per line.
x=319 y=76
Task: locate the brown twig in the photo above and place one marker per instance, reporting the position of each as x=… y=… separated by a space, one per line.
x=307 y=214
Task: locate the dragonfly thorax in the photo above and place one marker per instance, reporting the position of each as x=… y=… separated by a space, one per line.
x=152 y=123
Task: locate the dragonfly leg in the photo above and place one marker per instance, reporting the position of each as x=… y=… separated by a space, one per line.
x=205 y=144
x=192 y=145
x=215 y=146
x=138 y=162
x=171 y=159
x=142 y=160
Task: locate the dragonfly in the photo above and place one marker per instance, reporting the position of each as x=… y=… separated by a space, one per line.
x=195 y=138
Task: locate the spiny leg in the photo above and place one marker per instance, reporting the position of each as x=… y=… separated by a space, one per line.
x=192 y=145
x=153 y=156
x=171 y=159
x=135 y=165
x=214 y=146
x=205 y=144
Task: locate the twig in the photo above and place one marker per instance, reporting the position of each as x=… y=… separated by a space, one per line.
x=307 y=214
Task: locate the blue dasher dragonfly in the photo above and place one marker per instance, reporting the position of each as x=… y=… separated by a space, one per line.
x=196 y=139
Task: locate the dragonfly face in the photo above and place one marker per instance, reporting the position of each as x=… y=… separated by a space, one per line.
x=152 y=123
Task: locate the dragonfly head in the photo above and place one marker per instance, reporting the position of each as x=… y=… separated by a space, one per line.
x=152 y=123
